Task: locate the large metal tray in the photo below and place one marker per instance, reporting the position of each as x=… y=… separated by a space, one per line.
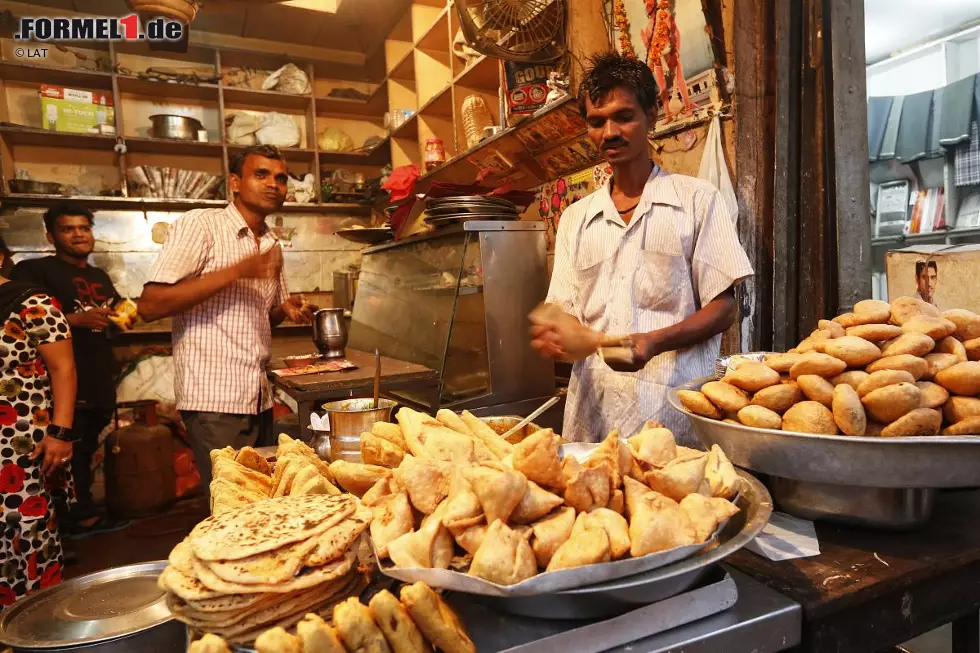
x=913 y=462
x=624 y=594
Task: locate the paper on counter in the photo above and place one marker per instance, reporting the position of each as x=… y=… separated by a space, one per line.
x=785 y=538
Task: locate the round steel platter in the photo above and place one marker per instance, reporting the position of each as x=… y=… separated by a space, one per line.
x=99 y=607
x=460 y=208
x=907 y=462
x=469 y=201
x=368 y=235
x=623 y=594
x=453 y=219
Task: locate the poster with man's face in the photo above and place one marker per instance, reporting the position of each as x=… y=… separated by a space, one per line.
x=926 y=280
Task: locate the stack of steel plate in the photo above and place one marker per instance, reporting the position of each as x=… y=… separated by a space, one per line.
x=450 y=210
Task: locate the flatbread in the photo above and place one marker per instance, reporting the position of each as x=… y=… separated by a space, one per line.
x=225 y=603
x=334 y=542
x=267 y=526
x=300 y=603
x=186 y=587
x=210 y=620
x=308 y=577
x=270 y=568
x=241 y=475
x=181 y=558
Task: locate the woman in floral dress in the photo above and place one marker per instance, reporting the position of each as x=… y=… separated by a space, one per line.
x=37 y=399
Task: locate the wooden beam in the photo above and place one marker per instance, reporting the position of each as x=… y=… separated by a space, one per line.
x=754 y=104
x=848 y=145
x=215 y=40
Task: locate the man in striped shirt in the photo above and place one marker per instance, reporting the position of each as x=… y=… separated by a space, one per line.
x=651 y=256
x=220 y=276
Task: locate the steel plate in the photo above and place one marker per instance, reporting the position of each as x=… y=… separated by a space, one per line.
x=623 y=594
x=369 y=235
x=912 y=462
x=469 y=200
x=96 y=608
x=454 y=219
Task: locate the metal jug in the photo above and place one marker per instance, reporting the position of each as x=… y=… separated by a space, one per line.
x=330 y=332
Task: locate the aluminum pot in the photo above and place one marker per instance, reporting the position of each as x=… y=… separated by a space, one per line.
x=119 y=610
x=182 y=128
x=348 y=419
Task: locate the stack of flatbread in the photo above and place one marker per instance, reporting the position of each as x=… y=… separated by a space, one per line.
x=508 y=512
x=267 y=564
x=244 y=477
x=414 y=624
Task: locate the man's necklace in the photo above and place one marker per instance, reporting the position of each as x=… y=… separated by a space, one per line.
x=629 y=210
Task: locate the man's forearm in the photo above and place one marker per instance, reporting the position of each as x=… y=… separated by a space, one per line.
x=164 y=300
x=712 y=319
x=277 y=316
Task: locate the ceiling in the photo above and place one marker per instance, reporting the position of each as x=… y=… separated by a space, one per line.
x=358 y=26
x=891 y=26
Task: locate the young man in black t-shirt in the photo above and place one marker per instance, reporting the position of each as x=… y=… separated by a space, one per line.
x=86 y=295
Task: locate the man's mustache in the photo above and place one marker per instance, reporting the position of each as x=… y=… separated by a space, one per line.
x=613 y=142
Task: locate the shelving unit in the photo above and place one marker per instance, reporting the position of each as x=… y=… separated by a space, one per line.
x=425 y=77
x=99 y=163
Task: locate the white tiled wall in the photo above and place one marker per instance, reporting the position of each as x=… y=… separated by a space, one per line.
x=125 y=249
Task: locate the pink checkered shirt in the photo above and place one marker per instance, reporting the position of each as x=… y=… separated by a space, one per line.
x=221 y=346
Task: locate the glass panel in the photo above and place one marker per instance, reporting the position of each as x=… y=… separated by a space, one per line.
x=405 y=300
x=467 y=371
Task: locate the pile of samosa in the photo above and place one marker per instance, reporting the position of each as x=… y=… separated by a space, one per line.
x=245 y=476
x=461 y=495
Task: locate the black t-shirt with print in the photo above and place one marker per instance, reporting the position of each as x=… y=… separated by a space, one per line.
x=76 y=288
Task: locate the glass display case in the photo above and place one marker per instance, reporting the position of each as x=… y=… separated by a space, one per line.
x=456 y=300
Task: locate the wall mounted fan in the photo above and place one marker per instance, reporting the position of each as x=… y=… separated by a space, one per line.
x=529 y=31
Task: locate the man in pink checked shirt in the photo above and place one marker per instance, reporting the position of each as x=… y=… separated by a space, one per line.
x=220 y=277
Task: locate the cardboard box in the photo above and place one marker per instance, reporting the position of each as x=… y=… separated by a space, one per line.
x=950 y=273
x=79 y=112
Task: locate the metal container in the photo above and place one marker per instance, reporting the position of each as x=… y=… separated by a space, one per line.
x=883 y=483
x=621 y=595
x=182 y=128
x=348 y=419
x=344 y=289
x=880 y=508
x=505 y=423
x=330 y=332
x=118 y=610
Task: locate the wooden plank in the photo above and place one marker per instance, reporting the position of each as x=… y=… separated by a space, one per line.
x=871 y=589
x=309 y=387
x=849 y=147
x=787 y=19
x=754 y=169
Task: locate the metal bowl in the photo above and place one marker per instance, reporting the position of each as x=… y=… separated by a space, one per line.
x=908 y=462
x=182 y=128
x=301 y=360
x=623 y=594
x=505 y=423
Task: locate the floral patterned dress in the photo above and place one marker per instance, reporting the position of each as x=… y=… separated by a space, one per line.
x=30 y=547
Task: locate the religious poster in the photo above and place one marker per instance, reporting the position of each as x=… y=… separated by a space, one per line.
x=673 y=39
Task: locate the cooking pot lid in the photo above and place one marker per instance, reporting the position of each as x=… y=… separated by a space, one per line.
x=95 y=608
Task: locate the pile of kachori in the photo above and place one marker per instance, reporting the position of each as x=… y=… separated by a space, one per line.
x=267 y=564
x=245 y=476
x=889 y=370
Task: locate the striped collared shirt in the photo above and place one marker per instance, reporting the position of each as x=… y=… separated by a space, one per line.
x=678 y=252
x=221 y=346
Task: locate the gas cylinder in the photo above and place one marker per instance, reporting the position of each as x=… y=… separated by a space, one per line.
x=139 y=464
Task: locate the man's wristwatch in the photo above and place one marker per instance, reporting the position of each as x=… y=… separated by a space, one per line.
x=60 y=433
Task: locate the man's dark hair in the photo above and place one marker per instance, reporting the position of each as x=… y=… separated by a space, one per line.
x=920 y=267
x=611 y=70
x=237 y=161
x=65 y=208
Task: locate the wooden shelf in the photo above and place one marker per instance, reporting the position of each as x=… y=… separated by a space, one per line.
x=148 y=87
x=327 y=207
x=378 y=156
x=374 y=106
x=266 y=99
x=911 y=239
x=173 y=146
x=440 y=105
x=291 y=153
x=437 y=36
x=482 y=73
x=15 y=71
x=408 y=129
x=113 y=202
x=47 y=138
x=404 y=70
